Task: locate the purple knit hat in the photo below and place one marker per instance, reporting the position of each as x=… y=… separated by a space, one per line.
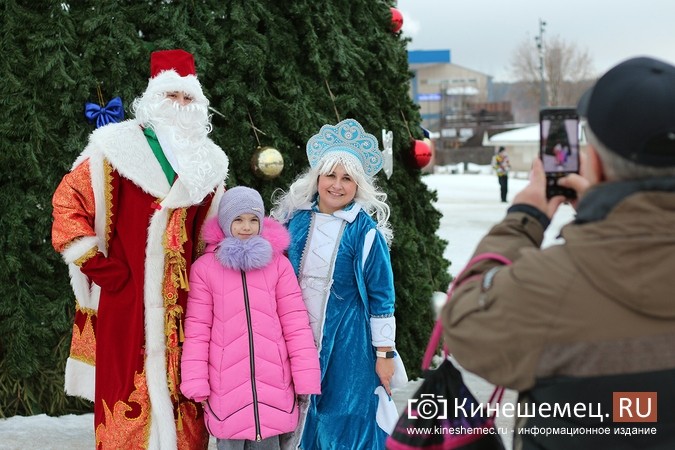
x=237 y=201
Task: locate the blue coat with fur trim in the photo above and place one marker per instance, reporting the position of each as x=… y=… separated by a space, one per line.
x=343 y=416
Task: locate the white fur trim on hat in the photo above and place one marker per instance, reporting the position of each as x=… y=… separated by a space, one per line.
x=170 y=81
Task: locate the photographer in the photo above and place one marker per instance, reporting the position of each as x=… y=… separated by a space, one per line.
x=578 y=327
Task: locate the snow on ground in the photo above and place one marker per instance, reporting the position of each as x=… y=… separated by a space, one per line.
x=470 y=206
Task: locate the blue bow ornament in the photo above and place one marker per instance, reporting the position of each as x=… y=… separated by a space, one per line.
x=113 y=111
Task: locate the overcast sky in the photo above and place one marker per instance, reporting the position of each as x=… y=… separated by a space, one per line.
x=483 y=34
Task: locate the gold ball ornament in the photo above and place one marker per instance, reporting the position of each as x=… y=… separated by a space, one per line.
x=267 y=162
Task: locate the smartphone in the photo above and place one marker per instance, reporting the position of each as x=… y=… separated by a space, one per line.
x=559 y=147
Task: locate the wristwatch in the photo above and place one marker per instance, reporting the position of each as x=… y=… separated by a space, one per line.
x=388 y=355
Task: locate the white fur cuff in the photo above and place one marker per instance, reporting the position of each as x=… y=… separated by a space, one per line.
x=78 y=247
x=383 y=330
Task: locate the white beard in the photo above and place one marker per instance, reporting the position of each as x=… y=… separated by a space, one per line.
x=182 y=132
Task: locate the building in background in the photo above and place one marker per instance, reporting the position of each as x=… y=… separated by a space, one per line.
x=522 y=145
x=457 y=107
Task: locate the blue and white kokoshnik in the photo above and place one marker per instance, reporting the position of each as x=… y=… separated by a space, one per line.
x=347 y=136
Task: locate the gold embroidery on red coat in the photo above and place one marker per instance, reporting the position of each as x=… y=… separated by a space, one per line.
x=86 y=257
x=108 y=194
x=200 y=247
x=118 y=430
x=174 y=238
x=175 y=279
x=83 y=343
x=194 y=434
x=69 y=223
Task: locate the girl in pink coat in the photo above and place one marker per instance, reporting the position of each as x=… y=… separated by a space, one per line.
x=249 y=349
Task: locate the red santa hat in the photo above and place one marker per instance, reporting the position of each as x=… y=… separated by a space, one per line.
x=174 y=70
x=179 y=60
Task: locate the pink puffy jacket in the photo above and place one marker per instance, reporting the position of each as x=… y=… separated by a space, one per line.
x=248 y=345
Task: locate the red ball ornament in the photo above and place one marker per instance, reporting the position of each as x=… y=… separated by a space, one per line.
x=421 y=153
x=396 y=20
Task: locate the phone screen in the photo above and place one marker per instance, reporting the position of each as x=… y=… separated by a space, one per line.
x=559 y=146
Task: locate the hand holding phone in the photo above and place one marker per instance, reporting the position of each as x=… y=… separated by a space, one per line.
x=559 y=147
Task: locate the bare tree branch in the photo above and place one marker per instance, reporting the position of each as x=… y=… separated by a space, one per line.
x=568 y=70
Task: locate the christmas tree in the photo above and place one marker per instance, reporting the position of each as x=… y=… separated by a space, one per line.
x=274 y=73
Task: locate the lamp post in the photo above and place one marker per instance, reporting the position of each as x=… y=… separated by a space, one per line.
x=539 y=39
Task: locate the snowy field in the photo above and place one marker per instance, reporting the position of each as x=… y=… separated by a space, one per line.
x=470 y=206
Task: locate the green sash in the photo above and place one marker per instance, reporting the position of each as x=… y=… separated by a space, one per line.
x=159 y=154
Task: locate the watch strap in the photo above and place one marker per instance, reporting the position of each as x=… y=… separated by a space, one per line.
x=388 y=355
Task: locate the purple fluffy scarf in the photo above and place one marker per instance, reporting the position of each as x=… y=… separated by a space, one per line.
x=244 y=254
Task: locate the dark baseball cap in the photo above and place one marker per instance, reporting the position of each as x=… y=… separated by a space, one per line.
x=631 y=110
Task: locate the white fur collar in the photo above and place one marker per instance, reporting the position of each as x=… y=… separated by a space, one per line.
x=348 y=214
x=124 y=145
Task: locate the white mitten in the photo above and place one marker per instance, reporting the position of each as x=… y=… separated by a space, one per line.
x=386 y=415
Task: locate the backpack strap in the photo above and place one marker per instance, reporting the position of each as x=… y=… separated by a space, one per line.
x=437 y=331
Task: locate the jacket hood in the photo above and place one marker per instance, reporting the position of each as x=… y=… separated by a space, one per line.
x=629 y=253
x=248 y=254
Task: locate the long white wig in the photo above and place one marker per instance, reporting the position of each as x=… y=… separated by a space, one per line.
x=303 y=190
